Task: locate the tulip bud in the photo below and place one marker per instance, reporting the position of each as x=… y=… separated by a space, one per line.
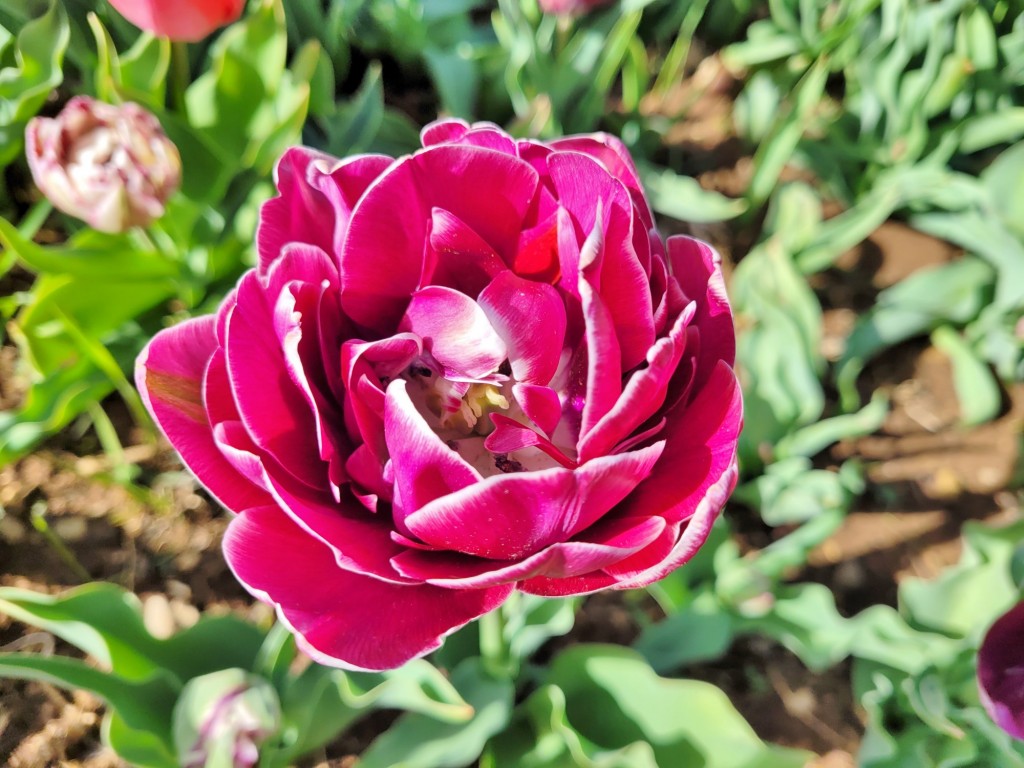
x=111 y=166
x=184 y=20
x=222 y=719
x=570 y=7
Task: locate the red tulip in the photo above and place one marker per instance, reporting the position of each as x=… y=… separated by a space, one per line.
x=187 y=20
x=570 y=7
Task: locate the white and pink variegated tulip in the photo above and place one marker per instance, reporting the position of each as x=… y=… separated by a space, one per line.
x=463 y=372
x=111 y=166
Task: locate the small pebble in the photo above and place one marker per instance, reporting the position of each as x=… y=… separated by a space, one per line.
x=157 y=616
x=70 y=528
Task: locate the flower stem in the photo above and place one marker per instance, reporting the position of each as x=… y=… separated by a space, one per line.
x=180 y=76
x=494 y=645
x=33 y=221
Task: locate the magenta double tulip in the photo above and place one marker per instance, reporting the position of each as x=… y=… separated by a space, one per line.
x=1001 y=671
x=470 y=370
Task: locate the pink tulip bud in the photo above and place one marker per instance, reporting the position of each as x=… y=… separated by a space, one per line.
x=111 y=166
x=570 y=7
x=185 y=20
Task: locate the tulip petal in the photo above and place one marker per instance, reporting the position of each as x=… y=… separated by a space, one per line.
x=425 y=468
x=458 y=257
x=169 y=373
x=540 y=404
x=443 y=131
x=508 y=517
x=700 y=449
x=313 y=187
x=270 y=405
x=530 y=318
x=510 y=436
x=341 y=618
x=382 y=260
x=614 y=157
x=361 y=541
x=604 y=372
x=455 y=331
x=643 y=395
x=606 y=544
x=624 y=284
x=1001 y=671
x=698 y=270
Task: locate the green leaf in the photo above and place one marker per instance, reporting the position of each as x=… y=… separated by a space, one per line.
x=976 y=388
x=542 y=737
x=90 y=254
x=966 y=598
x=810 y=440
x=777 y=149
x=804 y=619
x=140 y=75
x=683 y=198
x=50 y=405
x=138 y=747
x=357 y=122
x=24 y=88
x=778 y=349
x=322 y=701
x=955 y=293
x=1004 y=181
x=456 y=77
x=419 y=741
x=699 y=631
x=142 y=704
x=106 y=622
x=791 y=491
x=533 y=620
x=614 y=699
x=247 y=105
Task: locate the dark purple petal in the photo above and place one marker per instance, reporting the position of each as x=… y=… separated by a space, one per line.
x=643 y=395
x=1001 y=671
x=540 y=404
x=700 y=449
x=458 y=257
x=584 y=189
x=274 y=411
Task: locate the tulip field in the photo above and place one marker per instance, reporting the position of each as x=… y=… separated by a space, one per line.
x=512 y=383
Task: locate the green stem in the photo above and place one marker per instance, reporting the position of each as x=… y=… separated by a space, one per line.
x=180 y=77
x=493 y=644
x=38 y=517
x=33 y=221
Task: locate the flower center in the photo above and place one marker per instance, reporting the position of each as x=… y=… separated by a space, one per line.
x=457 y=411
